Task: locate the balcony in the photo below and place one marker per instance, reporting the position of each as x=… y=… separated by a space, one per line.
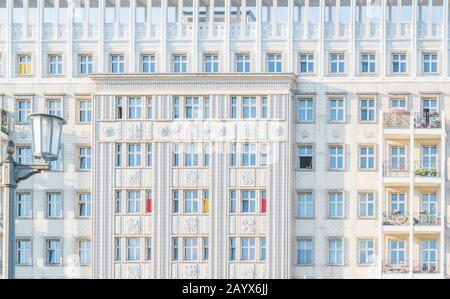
x=396 y=118
x=342 y=30
x=79 y=31
x=395 y=268
x=309 y=31
x=422 y=169
x=398 y=30
x=426 y=219
x=280 y=29
x=113 y=30
x=430 y=120
x=180 y=30
x=426 y=30
x=426 y=267
x=395 y=218
x=364 y=30
x=211 y=30
x=391 y=169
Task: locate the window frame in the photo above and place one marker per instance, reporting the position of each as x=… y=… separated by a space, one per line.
x=59 y=63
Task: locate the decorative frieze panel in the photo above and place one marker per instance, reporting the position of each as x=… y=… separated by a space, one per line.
x=247 y=225
x=190 y=225
x=247 y=177
x=133 y=271
x=246 y=271
x=189 y=177
x=190 y=271
x=133 y=178
x=132 y=224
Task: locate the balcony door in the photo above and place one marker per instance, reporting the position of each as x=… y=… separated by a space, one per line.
x=397 y=252
x=429 y=106
x=398 y=203
x=429 y=204
x=428 y=255
x=398 y=158
x=429 y=157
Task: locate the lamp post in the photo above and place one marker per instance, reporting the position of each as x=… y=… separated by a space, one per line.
x=46 y=139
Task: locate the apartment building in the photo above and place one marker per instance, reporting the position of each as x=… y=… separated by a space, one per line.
x=231 y=138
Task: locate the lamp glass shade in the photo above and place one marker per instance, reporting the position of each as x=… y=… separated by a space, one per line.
x=46 y=130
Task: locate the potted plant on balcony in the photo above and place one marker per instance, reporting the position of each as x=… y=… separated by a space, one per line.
x=426 y=171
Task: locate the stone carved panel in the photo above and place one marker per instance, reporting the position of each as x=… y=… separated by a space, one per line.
x=191 y=178
x=190 y=271
x=190 y=225
x=248 y=178
x=133 y=272
x=133 y=225
x=135 y=178
x=248 y=225
x=134 y=131
x=247 y=272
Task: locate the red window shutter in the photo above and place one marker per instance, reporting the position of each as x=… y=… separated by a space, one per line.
x=148 y=207
x=263 y=205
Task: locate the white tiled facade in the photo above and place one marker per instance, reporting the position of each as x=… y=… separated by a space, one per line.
x=231 y=138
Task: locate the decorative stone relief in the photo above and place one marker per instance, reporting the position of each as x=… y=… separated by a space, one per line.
x=135 y=179
x=278 y=131
x=190 y=130
x=134 y=131
x=190 y=272
x=165 y=131
x=133 y=225
x=190 y=225
x=305 y=134
x=336 y=134
x=247 y=272
x=222 y=131
x=191 y=178
x=84 y=134
x=247 y=131
x=23 y=134
x=133 y=272
x=247 y=178
x=248 y=225
x=108 y=132
x=367 y=134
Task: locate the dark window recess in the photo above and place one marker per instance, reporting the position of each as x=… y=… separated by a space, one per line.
x=306 y=162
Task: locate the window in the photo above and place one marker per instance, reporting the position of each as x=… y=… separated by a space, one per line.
x=398 y=203
x=305 y=156
x=191 y=155
x=337 y=63
x=336 y=157
x=305 y=110
x=429 y=205
x=190 y=249
x=179 y=63
x=367 y=63
x=84 y=156
x=118 y=154
x=24 y=205
x=118 y=202
x=149 y=108
x=57 y=165
x=336 y=110
x=335 y=205
x=211 y=63
x=232 y=249
x=274 y=63
x=175 y=155
x=263 y=154
x=233 y=154
x=174 y=249
x=149 y=154
x=306 y=63
x=233 y=107
x=262 y=249
x=430 y=63
x=242 y=63
x=134 y=108
x=84 y=252
x=85 y=64
x=248 y=154
x=55 y=65
x=133 y=202
x=53 y=256
x=305 y=205
x=249 y=107
x=54 y=107
x=134 y=155
x=54 y=205
x=176 y=108
x=398 y=63
x=247 y=249
x=117 y=249
x=366 y=207
x=191 y=202
x=367 y=157
x=23 y=109
x=23 y=252
x=264 y=107
x=192 y=107
x=398 y=158
x=232 y=202
x=206 y=154
x=367 y=110
x=397 y=252
x=248 y=201
x=25 y=66
x=133 y=249
x=206 y=108
x=148 y=249
x=119 y=108
x=148 y=202
x=429 y=255
x=175 y=202
x=205 y=253
x=148 y=63
x=365 y=252
x=84 y=205
x=263 y=201
x=85 y=111
x=117 y=64
x=305 y=252
x=24 y=155
x=429 y=157
x=398 y=103
x=335 y=252
x=205 y=201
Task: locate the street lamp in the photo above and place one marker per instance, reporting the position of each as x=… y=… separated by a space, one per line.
x=46 y=139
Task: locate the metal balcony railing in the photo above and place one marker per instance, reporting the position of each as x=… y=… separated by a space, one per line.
x=395 y=169
x=426 y=169
x=395 y=218
x=396 y=118
x=398 y=267
x=424 y=218
x=427 y=120
x=426 y=267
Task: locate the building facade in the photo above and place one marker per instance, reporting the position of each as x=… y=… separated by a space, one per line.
x=231 y=138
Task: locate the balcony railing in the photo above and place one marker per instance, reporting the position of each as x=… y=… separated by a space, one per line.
x=396 y=118
x=4 y=121
x=424 y=218
x=427 y=120
x=395 y=169
x=399 y=268
x=426 y=267
x=395 y=218
x=426 y=169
